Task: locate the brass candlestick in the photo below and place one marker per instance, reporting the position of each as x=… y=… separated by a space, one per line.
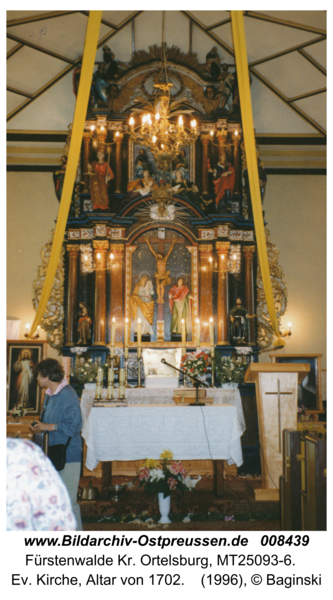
x=122 y=377
x=139 y=373
x=212 y=354
x=126 y=372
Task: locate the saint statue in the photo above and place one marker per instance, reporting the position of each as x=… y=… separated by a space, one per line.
x=180 y=301
x=100 y=175
x=84 y=325
x=24 y=366
x=59 y=177
x=224 y=183
x=239 y=323
x=140 y=187
x=162 y=276
x=142 y=305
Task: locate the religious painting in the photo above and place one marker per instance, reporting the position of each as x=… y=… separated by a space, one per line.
x=161 y=289
x=142 y=160
x=22 y=388
x=309 y=390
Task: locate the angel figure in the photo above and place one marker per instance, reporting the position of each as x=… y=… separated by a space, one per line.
x=162 y=276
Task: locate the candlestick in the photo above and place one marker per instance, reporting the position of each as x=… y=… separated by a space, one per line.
x=183 y=331
x=99 y=375
x=211 y=331
x=198 y=334
x=98 y=391
x=113 y=336
x=138 y=334
x=139 y=373
x=121 y=384
x=126 y=338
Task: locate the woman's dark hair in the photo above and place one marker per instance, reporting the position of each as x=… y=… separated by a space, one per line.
x=50 y=368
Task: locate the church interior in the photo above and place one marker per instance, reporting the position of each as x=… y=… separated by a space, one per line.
x=166 y=171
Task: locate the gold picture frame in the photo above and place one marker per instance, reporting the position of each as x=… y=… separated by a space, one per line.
x=22 y=387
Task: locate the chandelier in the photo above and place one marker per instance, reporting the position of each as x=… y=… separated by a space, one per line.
x=161 y=135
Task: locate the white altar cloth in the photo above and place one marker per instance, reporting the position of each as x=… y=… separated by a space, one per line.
x=144 y=430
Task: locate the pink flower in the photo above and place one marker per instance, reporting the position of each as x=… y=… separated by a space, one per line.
x=177 y=467
x=172 y=483
x=144 y=474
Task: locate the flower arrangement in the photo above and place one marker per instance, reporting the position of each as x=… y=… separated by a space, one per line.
x=231 y=370
x=17 y=411
x=85 y=370
x=165 y=476
x=195 y=364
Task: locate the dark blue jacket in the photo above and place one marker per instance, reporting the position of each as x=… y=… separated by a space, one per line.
x=64 y=410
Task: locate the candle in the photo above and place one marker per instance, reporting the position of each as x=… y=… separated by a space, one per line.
x=113 y=336
x=183 y=330
x=211 y=331
x=110 y=383
x=27 y=328
x=139 y=338
x=198 y=333
x=100 y=375
x=126 y=338
x=289 y=326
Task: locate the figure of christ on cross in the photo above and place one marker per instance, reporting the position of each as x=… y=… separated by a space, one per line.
x=162 y=276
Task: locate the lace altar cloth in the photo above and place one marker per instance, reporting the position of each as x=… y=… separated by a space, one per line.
x=151 y=424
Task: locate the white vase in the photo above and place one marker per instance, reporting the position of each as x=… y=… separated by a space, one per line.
x=90 y=386
x=164 y=506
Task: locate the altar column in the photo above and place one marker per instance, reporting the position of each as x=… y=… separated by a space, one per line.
x=205 y=144
x=100 y=249
x=249 y=291
x=119 y=141
x=221 y=138
x=117 y=288
x=206 y=288
x=222 y=249
x=101 y=138
x=86 y=156
x=73 y=252
x=236 y=144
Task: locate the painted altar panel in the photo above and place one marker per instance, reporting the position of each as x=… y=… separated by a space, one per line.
x=141 y=159
x=181 y=283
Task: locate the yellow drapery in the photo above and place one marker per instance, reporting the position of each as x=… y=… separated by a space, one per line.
x=243 y=78
x=88 y=61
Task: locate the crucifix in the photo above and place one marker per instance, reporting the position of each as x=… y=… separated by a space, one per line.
x=279 y=394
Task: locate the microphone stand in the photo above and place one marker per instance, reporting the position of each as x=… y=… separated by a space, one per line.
x=196 y=382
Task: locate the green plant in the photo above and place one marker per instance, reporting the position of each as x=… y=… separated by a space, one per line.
x=164 y=476
x=85 y=370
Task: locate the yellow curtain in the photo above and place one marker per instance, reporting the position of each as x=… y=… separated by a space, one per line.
x=88 y=61
x=243 y=78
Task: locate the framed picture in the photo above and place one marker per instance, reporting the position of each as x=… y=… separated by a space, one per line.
x=22 y=387
x=310 y=390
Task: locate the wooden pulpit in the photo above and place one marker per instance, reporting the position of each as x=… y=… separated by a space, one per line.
x=276 y=394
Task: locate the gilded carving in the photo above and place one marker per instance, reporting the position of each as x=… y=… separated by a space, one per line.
x=53 y=319
x=265 y=333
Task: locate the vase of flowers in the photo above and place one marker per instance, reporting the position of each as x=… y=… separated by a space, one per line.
x=17 y=412
x=230 y=371
x=163 y=476
x=85 y=372
x=196 y=364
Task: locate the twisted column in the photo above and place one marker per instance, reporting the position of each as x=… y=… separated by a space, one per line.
x=205 y=147
x=249 y=290
x=73 y=253
x=119 y=141
x=236 y=144
x=222 y=250
x=206 y=288
x=117 y=288
x=86 y=156
x=100 y=249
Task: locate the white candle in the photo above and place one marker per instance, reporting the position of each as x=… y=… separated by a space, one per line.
x=113 y=336
x=139 y=338
x=211 y=331
x=198 y=333
x=289 y=327
x=126 y=338
x=100 y=375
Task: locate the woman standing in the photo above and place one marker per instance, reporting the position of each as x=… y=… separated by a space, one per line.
x=61 y=416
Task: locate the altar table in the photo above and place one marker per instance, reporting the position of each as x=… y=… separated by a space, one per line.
x=144 y=429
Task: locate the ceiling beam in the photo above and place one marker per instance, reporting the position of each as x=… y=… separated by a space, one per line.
x=286 y=100
x=13 y=50
x=64 y=72
x=42 y=17
x=219 y=24
x=15 y=91
x=312 y=61
x=212 y=35
x=307 y=95
x=40 y=49
x=263 y=17
x=103 y=21
x=287 y=51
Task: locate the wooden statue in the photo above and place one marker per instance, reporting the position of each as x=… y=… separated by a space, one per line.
x=162 y=276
